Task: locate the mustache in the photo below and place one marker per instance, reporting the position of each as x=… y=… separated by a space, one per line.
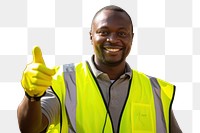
x=112 y=45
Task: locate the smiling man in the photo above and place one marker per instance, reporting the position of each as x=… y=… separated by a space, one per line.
x=111 y=36
x=102 y=95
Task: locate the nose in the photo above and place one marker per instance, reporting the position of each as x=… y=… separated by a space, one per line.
x=112 y=38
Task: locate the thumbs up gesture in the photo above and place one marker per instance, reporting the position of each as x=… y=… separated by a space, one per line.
x=37 y=77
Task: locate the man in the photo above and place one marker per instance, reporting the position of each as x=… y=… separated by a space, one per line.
x=100 y=95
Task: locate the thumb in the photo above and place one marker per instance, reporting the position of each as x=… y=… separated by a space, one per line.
x=37 y=55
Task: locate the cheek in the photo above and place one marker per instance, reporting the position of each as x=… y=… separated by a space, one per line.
x=98 y=39
x=128 y=50
x=96 y=45
x=128 y=46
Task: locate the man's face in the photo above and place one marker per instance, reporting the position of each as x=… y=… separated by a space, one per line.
x=111 y=36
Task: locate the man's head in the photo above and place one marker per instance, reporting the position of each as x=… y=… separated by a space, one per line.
x=113 y=8
x=111 y=35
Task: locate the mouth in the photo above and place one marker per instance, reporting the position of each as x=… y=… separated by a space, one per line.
x=112 y=49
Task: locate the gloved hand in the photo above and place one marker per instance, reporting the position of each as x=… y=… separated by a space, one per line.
x=36 y=76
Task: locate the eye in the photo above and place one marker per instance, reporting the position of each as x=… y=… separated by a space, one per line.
x=103 y=32
x=122 y=34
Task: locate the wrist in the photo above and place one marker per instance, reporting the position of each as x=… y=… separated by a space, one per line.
x=34 y=98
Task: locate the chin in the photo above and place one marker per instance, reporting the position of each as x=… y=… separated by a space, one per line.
x=112 y=62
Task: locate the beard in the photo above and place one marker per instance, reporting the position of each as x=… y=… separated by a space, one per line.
x=110 y=60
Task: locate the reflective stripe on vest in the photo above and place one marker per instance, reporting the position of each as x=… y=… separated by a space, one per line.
x=91 y=113
x=58 y=86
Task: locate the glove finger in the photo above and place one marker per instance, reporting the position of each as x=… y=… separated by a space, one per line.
x=40 y=82
x=42 y=68
x=41 y=75
x=37 y=55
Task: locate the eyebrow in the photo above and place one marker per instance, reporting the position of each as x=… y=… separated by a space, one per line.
x=105 y=27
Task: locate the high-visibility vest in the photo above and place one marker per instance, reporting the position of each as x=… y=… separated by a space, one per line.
x=92 y=115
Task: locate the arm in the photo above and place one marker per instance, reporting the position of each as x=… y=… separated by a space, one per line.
x=35 y=81
x=30 y=117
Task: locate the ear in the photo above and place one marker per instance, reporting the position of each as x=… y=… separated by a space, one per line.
x=132 y=35
x=90 y=36
x=132 y=38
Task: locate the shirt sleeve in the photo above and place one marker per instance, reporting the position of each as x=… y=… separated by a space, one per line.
x=174 y=124
x=50 y=107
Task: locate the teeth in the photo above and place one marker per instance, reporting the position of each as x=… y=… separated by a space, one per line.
x=112 y=49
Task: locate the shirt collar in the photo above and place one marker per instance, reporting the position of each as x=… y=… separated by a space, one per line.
x=97 y=73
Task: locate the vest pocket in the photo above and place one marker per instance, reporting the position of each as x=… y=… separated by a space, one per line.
x=142 y=118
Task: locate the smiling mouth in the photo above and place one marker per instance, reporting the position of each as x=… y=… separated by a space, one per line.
x=112 y=49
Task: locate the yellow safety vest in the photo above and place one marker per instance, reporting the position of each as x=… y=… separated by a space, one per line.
x=92 y=116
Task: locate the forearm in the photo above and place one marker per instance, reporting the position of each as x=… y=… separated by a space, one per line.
x=36 y=78
x=30 y=116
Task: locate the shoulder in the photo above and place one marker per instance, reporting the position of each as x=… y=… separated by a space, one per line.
x=155 y=81
x=65 y=68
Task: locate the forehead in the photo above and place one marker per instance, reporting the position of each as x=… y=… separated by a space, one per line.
x=111 y=17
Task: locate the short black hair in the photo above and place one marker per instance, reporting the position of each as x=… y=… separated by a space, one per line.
x=113 y=8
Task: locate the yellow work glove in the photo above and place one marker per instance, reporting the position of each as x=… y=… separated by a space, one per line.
x=36 y=76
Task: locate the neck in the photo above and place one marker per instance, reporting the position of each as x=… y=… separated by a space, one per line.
x=114 y=72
